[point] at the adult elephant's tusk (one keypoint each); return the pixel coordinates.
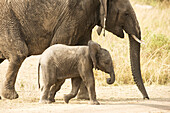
(139, 41)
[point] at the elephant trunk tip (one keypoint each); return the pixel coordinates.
(110, 81)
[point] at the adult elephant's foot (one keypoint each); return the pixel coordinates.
(45, 101)
(52, 99)
(9, 93)
(94, 103)
(83, 94)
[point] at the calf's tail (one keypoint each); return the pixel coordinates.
(39, 75)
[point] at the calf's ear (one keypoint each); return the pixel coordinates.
(93, 49)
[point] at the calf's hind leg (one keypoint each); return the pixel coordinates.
(75, 87)
(54, 88)
(47, 80)
(44, 94)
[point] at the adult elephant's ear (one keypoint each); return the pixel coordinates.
(93, 49)
(103, 15)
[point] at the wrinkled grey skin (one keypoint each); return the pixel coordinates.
(28, 27)
(59, 62)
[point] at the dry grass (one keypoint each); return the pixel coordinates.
(155, 54)
(157, 3)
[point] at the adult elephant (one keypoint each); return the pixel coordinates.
(28, 27)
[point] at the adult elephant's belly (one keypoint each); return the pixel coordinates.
(37, 46)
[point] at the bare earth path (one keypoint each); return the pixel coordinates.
(113, 99)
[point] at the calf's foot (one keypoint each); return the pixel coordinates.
(67, 98)
(52, 99)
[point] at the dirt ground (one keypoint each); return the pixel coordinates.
(113, 99)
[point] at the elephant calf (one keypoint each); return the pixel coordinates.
(60, 62)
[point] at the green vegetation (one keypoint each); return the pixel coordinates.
(155, 54)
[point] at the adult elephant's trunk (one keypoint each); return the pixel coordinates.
(135, 64)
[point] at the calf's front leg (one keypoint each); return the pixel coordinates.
(89, 81)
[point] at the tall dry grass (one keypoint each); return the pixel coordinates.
(159, 3)
(155, 54)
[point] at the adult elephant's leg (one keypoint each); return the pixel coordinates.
(17, 54)
(75, 87)
(54, 88)
(83, 93)
(13, 48)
